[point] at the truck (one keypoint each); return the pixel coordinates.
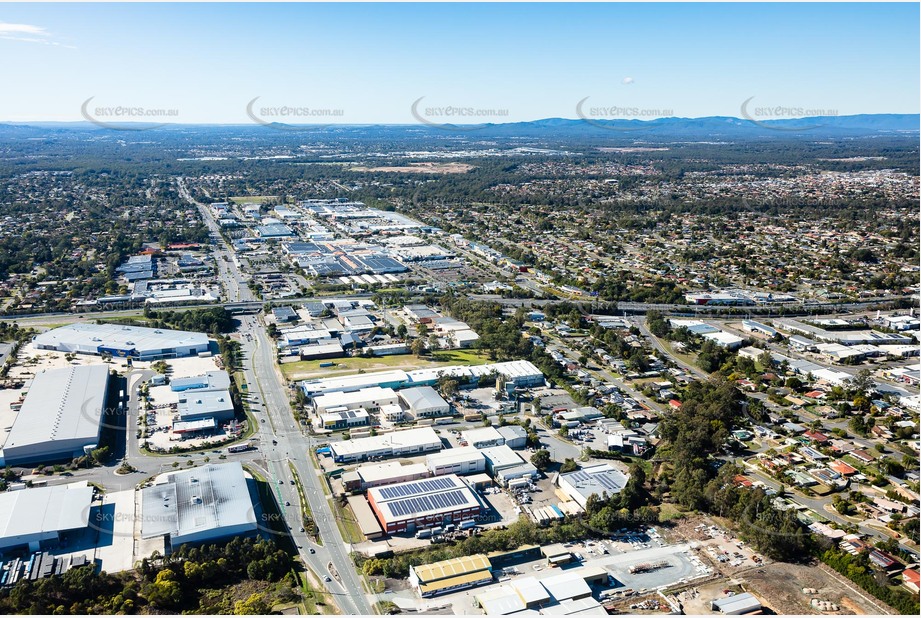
(424, 534)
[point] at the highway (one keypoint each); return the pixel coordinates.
(270, 403)
(240, 295)
(284, 444)
(230, 277)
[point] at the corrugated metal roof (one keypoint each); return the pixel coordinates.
(453, 568)
(62, 404)
(44, 509)
(191, 501)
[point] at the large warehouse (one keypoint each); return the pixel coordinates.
(424, 402)
(593, 480)
(60, 417)
(396, 444)
(33, 516)
(450, 575)
(463, 460)
(520, 373)
(406, 507)
(136, 342)
(202, 504)
(367, 398)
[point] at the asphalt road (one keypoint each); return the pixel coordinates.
(272, 404)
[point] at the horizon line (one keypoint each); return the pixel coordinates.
(243, 123)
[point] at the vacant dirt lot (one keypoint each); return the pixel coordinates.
(780, 587)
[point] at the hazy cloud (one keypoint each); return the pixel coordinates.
(27, 33)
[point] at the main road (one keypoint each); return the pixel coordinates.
(285, 446)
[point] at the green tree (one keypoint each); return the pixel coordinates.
(541, 459)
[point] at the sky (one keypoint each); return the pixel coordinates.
(370, 63)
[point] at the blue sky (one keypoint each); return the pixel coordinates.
(372, 61)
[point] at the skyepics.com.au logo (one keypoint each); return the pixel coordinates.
(614, 117)
(765, 116)
(127, 117)
(456, 118)
(110, 520)
(106, 416)
(292, 117)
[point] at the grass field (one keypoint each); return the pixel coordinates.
(346, 366)
(252, 199)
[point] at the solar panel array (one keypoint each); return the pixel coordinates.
(404, 490)
(423, 504)
(605, 479)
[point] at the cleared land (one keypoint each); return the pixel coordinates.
(300, 370)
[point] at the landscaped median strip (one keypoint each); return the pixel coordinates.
(306, 514)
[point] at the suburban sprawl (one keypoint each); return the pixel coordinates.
(533, 370)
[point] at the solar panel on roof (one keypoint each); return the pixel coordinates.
(422, 504)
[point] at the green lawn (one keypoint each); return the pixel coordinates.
(252, 199)
(351, 365)
(348, 526)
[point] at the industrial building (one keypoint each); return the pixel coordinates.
(386, 473)
(208, 381)
(369, 399)
(450, 575)
(395, 444)
(567, 585)
(510, 476)
(499, 458)
(515, 436)
(30, 517)
(424, 402)
(724, 339)
(737, 604)
(136, 342)
(516, 374)
(200, 405)
(364, 517)
(284, 314)
(482, 437)
(592, 480)
(344, 419)
(406, 507)
(61, 417)
(463, 460)
(202, 504)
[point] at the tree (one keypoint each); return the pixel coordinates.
(447, 386)
(862, 383)
(417, 347)
(569, 465)
(255, 605)
(541, 459)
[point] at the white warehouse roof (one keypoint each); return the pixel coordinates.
(422, 398)
(453, 456)
(420, 439)
(205, 502)
(41, 513)
(61, 414)
(374, 395)
(121, 340)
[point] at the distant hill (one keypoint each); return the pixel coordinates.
(721, 126)
(713, 127)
